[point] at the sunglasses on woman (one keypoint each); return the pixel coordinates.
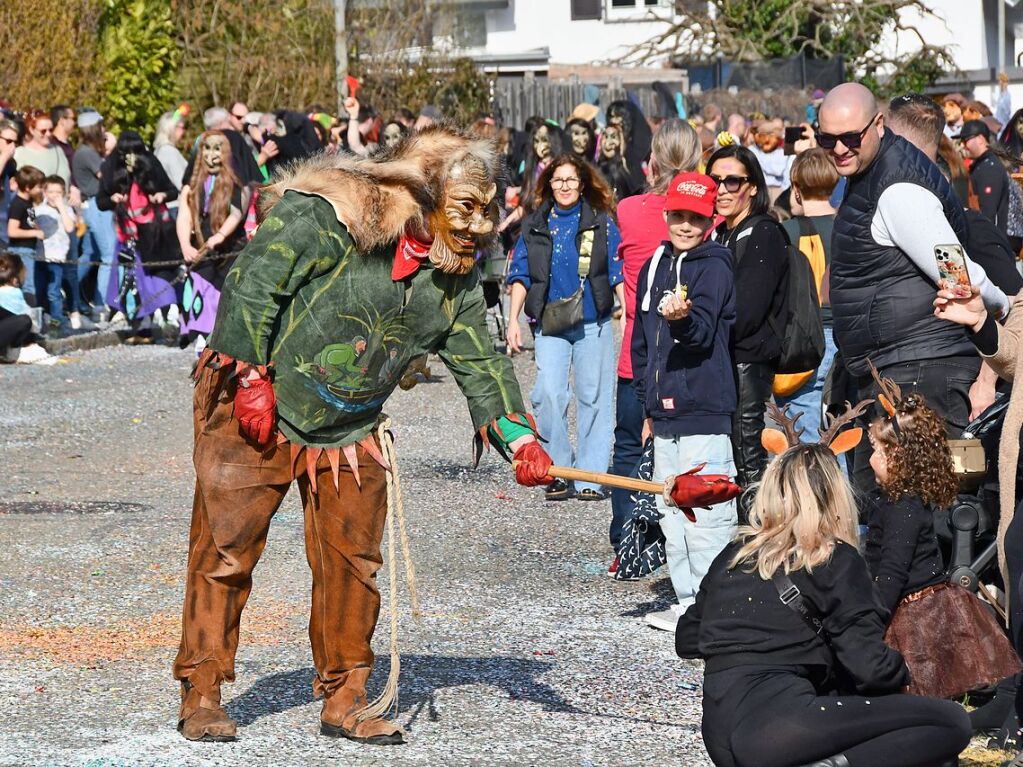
(731, 183)
(851, 140)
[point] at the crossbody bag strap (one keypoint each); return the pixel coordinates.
(792, 598)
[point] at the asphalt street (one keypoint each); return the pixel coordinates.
(526, 653)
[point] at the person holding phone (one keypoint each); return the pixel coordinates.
(897, 209)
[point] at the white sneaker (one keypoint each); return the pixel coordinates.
(118, 320)
(79, 322)
(200, 344)
(34, 354)
(667, 620)
(173, 315)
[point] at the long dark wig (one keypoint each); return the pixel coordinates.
(530, 188)
(1010, 138)
(133, 162)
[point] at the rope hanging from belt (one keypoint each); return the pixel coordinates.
(388, 697)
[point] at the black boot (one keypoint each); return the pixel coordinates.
(838, 760)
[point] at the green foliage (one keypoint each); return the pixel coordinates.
(48, 52)
(457, 86)
(140, 55)
(269, 55)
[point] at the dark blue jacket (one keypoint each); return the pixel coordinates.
(882, 304)
(682, 370)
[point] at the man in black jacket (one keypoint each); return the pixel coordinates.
(988, 178)
(897, 209)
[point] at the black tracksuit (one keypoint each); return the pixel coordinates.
(769, 695)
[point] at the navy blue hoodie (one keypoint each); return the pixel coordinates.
(682, 370)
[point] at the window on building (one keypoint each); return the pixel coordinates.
(635, 4)
(586, 9)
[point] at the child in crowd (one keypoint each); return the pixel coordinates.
(22, 233)
(952, 644)
(55, 219)
(682, 371)
(17, 341)
(797, 670)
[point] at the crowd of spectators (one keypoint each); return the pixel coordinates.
(693, 231)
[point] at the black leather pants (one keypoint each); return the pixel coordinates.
(753, 382)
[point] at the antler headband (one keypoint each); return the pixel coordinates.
(775, 441)
(890, 397)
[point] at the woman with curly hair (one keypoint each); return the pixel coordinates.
(952, 644)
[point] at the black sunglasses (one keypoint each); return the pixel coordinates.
(732, 183)
(851, 140)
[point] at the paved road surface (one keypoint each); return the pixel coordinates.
(527, 654)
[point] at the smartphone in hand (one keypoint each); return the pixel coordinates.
(792, 135)
(952, 272)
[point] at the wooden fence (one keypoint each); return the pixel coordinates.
(518, 100)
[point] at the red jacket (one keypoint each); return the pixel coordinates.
(641, 222)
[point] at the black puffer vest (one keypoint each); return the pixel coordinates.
(539, 250)
(881, 302)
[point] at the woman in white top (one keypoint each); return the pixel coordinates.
(169, 132)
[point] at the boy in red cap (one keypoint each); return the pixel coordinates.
(682, 371)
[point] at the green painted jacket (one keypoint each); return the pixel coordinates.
(340, 332)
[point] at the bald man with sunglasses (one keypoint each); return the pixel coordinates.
(897, 209)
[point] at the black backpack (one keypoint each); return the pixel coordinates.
(802, 334)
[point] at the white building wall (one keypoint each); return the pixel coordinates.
(530, 24)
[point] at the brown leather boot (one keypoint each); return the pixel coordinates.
(203, 718)
(339, 718)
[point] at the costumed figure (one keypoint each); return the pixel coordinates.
(582, 138)
(613, 164)
(358, 267)
(209, 229)
(392, 133)
(135, 186)
(547, 141)
(636, 139)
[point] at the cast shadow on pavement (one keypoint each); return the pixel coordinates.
(421, 677)
(662, 597)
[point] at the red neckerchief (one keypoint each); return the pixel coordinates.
(409, 256)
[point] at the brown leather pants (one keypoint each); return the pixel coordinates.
(238, 489)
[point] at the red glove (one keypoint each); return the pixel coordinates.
(531, 464)
(694, 489)
(255, 407)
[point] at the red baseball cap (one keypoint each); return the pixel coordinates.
(692, 191)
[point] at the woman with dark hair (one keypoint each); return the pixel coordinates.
(564, 273)
(134, 185)
(1011, 136)
(761, 277)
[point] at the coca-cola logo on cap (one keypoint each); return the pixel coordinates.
(694, 188)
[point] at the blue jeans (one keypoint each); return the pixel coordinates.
(53, 276)
(809, 398)
(99, 245)
(28, 257)
(589, 352)
(628, 449)
(692, 546)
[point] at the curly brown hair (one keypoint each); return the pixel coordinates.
(918, 458)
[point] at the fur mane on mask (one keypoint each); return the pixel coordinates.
(378, 198)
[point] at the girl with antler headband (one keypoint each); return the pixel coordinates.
(797, 670)
(951, 642)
